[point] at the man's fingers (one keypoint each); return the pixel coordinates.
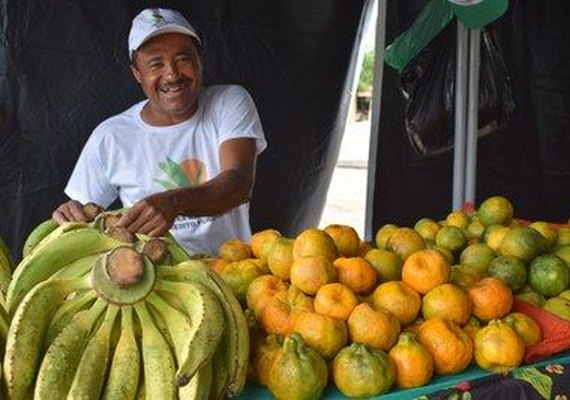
(76, 211)
(130, 217)
(59, 217)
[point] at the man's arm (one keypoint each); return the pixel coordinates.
(155, 214)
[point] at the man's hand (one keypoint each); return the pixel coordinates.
(71, 210)
(152, 215)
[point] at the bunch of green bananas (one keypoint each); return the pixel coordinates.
(98, 312)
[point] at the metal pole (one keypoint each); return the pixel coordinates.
(375, 117)
(472, 115)
(460, 110)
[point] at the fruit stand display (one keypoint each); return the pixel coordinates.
(94, 311)
(419, 310)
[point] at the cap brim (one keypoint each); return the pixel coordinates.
(481, 14)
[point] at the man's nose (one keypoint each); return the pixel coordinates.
(171, 70)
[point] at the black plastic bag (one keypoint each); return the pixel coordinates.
(428, 84)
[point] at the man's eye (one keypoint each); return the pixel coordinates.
(155, 65)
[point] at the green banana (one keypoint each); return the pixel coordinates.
(177, 324)
(207, 318)
(48, 258)
(124, 375)
(4, 325)
(6, 267)
(64, 228)
(26, 332)
(60, 362)
(219, 384)
(236, 333)
(37, 235)
(199, 386)
(76, 268)
(64, 314)
(92, 369)
(158, 361)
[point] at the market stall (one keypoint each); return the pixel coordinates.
(480, 293)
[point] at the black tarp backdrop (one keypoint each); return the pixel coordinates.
(64, 68)
(529, 162)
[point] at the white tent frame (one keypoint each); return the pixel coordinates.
(466, 115)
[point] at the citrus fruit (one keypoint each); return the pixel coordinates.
(524, 243)
(459, 219)
(414, 364)
(314, 242)
(376, 328)
(563, 237)
(495, 210)
(361, 371)
(530, 296)
(262, 353)
(549, 275)
(558, 306)
(386, 263)
(563, 252)
(477, 255)
(234, 250)
(498, 348)
(472, 327)
(526, 327)
(452, 238)
(312, 272)
(261, 289)
(326, 335)
(427, 228)
(383, 234)
(548, 232)
(466, 275)
(475, 229)
(356, 273)
(494, 235)
(425, 269)
(239, 274)
(510, 270)
(261, 242)
(399, 299)
(297, 371)
(448, 302)
(335, 300)
(449, 346)
(345, 239)
(280, 257)
(404, 242)
(491, 299)
(279, 313)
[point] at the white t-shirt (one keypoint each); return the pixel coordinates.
(130, 159)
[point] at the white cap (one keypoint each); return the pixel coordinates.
(156, 21)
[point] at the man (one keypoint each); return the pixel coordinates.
(183, 159)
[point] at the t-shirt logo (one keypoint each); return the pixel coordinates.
(190, 172)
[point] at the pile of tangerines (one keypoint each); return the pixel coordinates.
(326, 306)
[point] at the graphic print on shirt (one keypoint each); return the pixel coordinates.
(189, 173)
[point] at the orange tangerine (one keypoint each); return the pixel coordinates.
(335, 300)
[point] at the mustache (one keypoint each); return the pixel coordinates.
(173, 84)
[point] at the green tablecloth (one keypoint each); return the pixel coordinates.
(545, 379)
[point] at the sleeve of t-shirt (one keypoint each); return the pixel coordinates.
(239, 118)
(88, 181)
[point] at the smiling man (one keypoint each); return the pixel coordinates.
(184, 158)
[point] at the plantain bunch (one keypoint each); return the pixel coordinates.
(97, 312)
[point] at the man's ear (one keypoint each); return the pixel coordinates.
(136, 72)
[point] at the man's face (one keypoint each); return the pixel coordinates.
(169, 70)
